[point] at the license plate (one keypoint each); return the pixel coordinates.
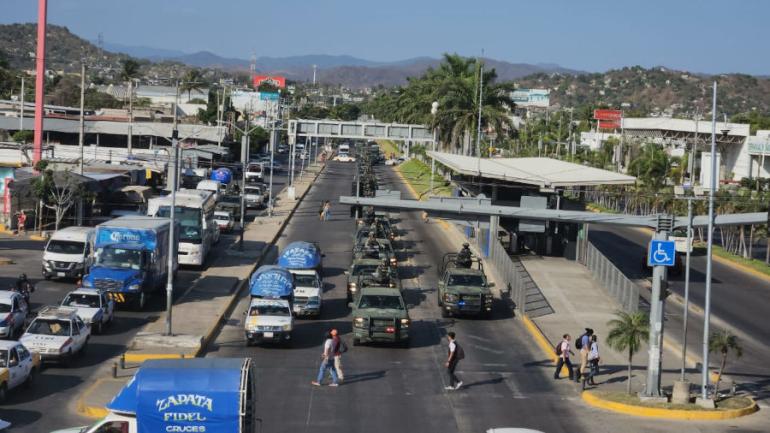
(268, 335)
(60, 274)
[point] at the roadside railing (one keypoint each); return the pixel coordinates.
(625, 291)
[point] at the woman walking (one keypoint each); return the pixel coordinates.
(593, 360)
(583, 370)
(327, 211)
(321, 210)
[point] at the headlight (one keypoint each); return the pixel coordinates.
(134, 287)
(47, 264)
(450, 297)
(405, 323)
(393, 261)
(87, 283)
(359, 321)
(287, 327)
(79, 265)
(352, 287)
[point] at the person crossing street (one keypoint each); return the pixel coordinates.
(455, 355)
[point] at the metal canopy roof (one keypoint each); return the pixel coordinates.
(542, 172)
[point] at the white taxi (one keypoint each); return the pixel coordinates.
(17, 366)
(13, 313)
(268, 320)
(93, 306)
(57, 334)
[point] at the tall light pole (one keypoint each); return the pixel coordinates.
(21, 106)
(172, 216)
(131, 113)
(81, 123)
(433, 112)
(42, 19)
(712, 191)
(685, 313)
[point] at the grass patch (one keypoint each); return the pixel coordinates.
(417, 174)
(389, 147)
(729, 403)
(593, 207)
(757, 265)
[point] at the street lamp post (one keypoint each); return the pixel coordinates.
(433, 112)
(172, 216)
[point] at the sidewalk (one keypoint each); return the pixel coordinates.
(198, 313)
(580, 302)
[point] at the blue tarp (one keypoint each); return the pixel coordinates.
(271, 281)
(120, 235)
(300, 255)
(201, 394)
(224, 175)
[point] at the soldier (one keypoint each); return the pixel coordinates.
(371, 247)
(368, 215)
(381, 274)
(464, 256)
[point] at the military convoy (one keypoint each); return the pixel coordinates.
(462, 286)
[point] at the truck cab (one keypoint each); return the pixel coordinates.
(380, 315)
(463, 290)
(57, 334)
(17, 366)
(68, 253)
(360, 268)
(308, 293)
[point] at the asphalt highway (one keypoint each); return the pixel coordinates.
(389, 389)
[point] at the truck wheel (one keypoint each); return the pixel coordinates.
(82, 351)
(356, 341)
(67, 359)
(438, 299)
(98, 328)
(405, 343)
(31, 378)
(444, 313)
(3, 392)
(140, 301)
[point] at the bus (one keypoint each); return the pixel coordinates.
(197, 229)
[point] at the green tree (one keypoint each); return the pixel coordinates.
(130, 70)
(57, 190)
(627, 332)
(23, 136)
(345, 112)
(650, 166)
(723, 342)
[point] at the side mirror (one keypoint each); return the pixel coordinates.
(347, 272)
(13, 363)
(350, 305)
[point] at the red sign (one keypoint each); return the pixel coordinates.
(7, 195)
(608, 115)
(609, 124)
(279, 82)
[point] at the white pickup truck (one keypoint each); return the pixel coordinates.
(93, 307)
(17, 366)
(308, 292)
(269, 320)
(57, 334)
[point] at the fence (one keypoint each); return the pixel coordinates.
(625, 291)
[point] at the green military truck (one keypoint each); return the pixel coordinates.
(362, 271)
(380, 315)
(463, 290)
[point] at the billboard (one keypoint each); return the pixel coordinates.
(532, 97)
(612, 115)
(276, 81)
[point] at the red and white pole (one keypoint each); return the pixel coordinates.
(42, 18)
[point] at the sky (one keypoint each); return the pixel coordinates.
(593, 35)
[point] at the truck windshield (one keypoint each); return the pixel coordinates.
(381, 301)
(119, 258)
(269, 310)
(81, 300)
(305, 280)
(363, 269)
(189, 221)
(65, 247)
(467, 280)
(5, 308)
(50, 327)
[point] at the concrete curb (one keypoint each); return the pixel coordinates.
(96, 412)
(673, 414)
(5, 261)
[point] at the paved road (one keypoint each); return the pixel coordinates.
(394, 389)
(48, 405)
(739, 300)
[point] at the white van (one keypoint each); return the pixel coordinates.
(214, 186)
(68, 253)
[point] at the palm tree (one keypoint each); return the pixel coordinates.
(192, 80)
(627, 332)
(129, 73)
(723, 342)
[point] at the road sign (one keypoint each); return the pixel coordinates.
(661, 253)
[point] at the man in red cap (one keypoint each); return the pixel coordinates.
(339, 347)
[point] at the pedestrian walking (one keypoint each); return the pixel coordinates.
(327, 363)
(321, 210)
(22, 222)
(583, 370)
(563, 351)
(456, 353)
(339, 347)
(327, 211)
(585, 339)
(593, 359)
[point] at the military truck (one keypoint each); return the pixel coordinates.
(380, 315)
(362, 272)
(383, 250)
(463, 290)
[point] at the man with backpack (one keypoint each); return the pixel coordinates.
(563, 351)
(456, 353)
(581, 342)
(339, 347)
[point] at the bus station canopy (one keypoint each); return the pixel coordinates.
(542, 172)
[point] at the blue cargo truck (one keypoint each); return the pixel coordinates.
(198, 395)
(131, 258)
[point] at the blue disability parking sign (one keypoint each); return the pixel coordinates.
(661, 253)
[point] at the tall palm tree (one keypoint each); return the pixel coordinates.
(627, 332)
(723, 342)
(130, 72)
(192, 80)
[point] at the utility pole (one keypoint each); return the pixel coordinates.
(42, 19)
(433, 111)
(81, 129)
(478, 126)
(272, 161)
(21, 106)
(245, 147)
(172, 217)
(652, 388)
(686, 287)
(691, 160)
(131, 112)
(707, 302)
